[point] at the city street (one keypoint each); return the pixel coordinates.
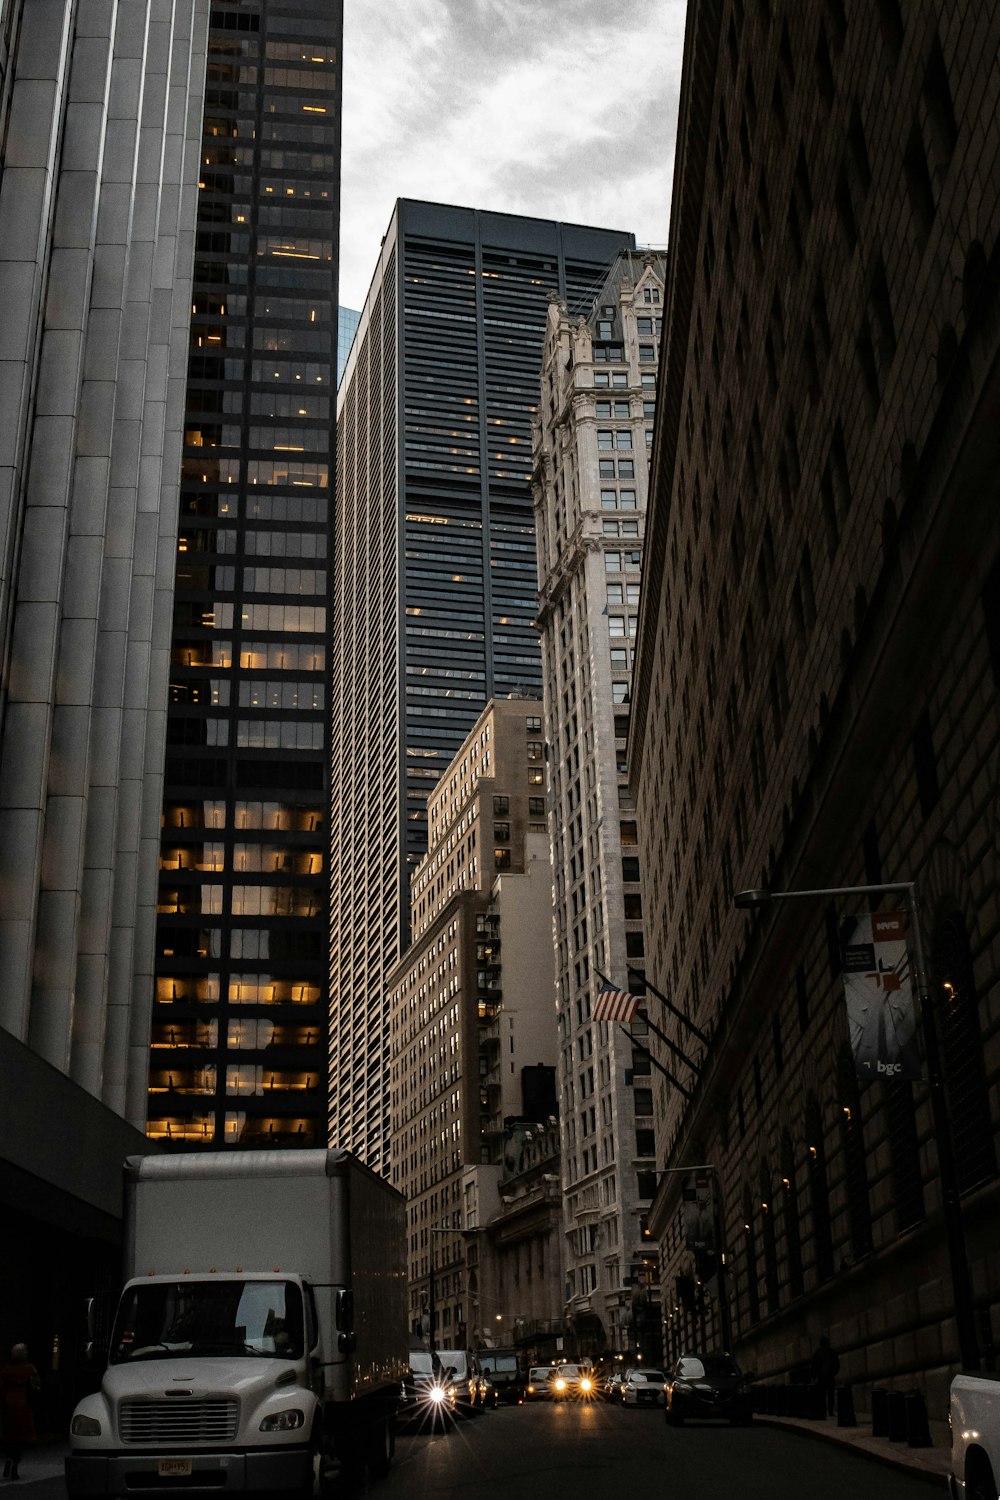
(541, 1451)
(537, 1452)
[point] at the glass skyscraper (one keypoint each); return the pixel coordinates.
(435, 574)
(239, 1031)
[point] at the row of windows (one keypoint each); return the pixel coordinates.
(243, 1034)
(241, 989)
(246, 901)
(298, 817)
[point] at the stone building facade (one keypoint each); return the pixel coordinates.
(818, 663)
(592, 436)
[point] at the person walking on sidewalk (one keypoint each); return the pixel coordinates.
(19, 1382)
(825, 1365)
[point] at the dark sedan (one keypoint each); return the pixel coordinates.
(707, 1385)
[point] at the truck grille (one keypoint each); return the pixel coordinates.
(178, 1421)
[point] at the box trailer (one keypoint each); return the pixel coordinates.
(261, 1337)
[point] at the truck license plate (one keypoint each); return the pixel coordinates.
(174, 1468)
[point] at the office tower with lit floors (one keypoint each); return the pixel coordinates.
(238, 1054)
(435, 572)
(592, 436)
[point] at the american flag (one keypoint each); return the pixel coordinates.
(615, 1005)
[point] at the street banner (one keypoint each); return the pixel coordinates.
(698, 1212)
(881, 1020)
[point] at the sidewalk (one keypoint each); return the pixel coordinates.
(43, 1460)
(931, 1464)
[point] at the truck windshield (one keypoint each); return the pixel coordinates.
(178, 1319)
(501, 1364)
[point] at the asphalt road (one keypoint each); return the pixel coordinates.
(545, 1451)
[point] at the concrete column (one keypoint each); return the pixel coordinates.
(37, 460)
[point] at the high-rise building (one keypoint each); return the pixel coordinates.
(471, 1005)
(435, 574)
(347, 324)
(239, 1021)
(99, 106)
(817, 671)
(592, 436)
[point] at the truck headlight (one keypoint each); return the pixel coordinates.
(85, 1427)
(283, 1421)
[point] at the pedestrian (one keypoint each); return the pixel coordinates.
(19, 1382)
(825, 1364)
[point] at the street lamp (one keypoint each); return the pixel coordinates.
(951, 1198)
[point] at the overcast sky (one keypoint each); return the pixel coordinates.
(565, 109)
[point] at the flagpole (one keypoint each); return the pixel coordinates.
(674, 1011)
(656, 1063)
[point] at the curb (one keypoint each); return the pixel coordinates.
(889, 1459)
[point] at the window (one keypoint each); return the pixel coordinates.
(501, 833)
(501, 859)
(622, 409)
(616, 625)
(536, 750)
(630, 868)
(605, 438)
(626, 468)
(645, 325)
(623, 438)
(606, 468)
(536, 807)
(627, 499)
(609, 500)
(610, 528)
(619, 659)
(648, 380)
(647, 354)
(501, 807)
(615, 593)
(612, 562)
(604, 409)
(536, 776)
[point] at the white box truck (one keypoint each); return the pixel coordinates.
(262, 1331)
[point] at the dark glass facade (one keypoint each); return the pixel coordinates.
(238, 1051)
(436, 575)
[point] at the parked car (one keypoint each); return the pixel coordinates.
(643, 1388)
(613, 1385)
(427, 1398)
(537, 1385)
(707, 1385)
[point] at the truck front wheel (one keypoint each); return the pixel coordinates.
(381, 1446)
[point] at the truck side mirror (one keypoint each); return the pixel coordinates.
(345, 1311)
(347, 1342)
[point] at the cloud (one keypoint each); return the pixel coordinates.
(558, 108)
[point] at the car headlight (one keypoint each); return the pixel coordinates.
(85, 1427)
(585, 1384)
(560, 1385)
(283, 1421)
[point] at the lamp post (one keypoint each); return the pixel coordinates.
(951, 1200)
